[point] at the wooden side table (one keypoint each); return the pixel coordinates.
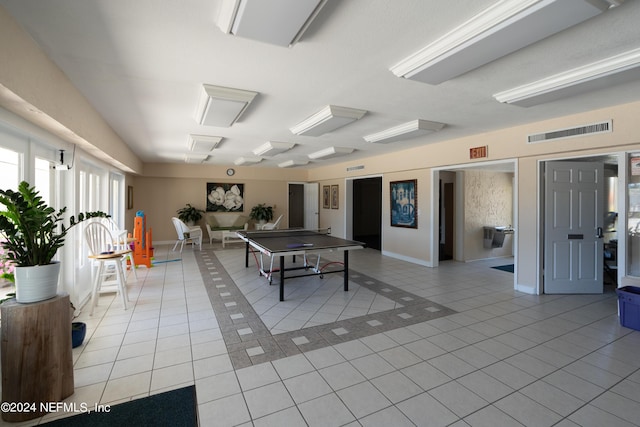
(37, 362)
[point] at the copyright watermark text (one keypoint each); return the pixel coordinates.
(69, 407)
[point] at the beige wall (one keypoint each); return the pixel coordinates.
(165, 188)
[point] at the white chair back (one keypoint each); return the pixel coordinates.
(99, 238)
(272, 225)
(186, 234)
(181, 227)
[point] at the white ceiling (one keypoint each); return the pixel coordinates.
(142, 64)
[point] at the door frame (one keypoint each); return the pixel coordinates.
(435, 209)
(622, 215)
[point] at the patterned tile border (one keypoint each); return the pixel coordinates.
(250, 342)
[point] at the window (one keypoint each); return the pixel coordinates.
(43, 179)
(633, 218)
(116, 199)
(9, 169)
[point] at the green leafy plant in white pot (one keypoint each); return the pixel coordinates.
(32, 234)
(190, 214)
(261, 213)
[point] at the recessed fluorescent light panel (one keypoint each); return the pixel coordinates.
(499, 30)
(279, 22)
(407, 130)
(222, 106)
(292, 163)
(617, 69)
(326, 120)
(330, 152)
(272, 148)
(247, 160)
(206, 143)
(195, 158)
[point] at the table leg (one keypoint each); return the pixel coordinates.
(346, 271)
(282, 278)
(246, 255)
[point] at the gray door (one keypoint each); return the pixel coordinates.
(573, 220)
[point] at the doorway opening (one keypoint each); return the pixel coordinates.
(303, 205)
(367, 211)
(296, 206)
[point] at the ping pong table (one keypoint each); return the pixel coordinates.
(296, 242)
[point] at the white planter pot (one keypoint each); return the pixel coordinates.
(37, 283)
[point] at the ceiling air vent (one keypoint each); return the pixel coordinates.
(602, 127)
(355, 168)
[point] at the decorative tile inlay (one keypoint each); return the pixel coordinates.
(255, 351)
(249, 341)
(300, 340)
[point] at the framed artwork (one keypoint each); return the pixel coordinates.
(326, 197)
(334, 197)
(404, 203)
(129, 197)
(225, 197)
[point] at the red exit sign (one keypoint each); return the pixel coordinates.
(478, 152)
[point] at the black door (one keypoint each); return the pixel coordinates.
(367, 211)
(296, 206)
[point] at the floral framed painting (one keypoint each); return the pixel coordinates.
(404, 203)
(334, 197)
(224, 197)
(326, 196)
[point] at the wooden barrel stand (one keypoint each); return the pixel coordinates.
(37, 362)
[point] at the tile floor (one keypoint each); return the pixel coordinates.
(495, 358)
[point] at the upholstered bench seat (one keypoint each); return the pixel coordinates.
(223, 226)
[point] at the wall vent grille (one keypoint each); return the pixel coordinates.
(355, 168)
(602, 127)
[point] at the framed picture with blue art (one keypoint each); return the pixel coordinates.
(222, 197)
(404, 203)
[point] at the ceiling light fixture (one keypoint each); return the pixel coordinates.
(195, 158)
(292, 163)
(407, 130)
(497, 31)
(326, 120)
(222, 106)
(247, 160)
(271, 148)
(617, 69)
(203, 142)
(280, 22)
(331, 152)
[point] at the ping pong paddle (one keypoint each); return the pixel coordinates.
(299, 245)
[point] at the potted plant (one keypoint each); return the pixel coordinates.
(261, 213)
(32, 236)
(189, 214)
